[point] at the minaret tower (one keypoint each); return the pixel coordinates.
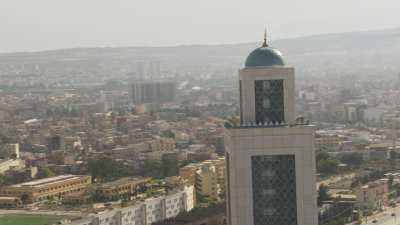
(270, 159)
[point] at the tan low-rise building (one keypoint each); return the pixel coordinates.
(207, 181)
(207, 176)
(373, 195)
(10, 202)
(121, 188)
(38, 190)
(162, 144)
(220, 170)
(327, 141)
(79, 198)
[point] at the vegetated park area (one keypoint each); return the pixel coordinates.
(20, 219)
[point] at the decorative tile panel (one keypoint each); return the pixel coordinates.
(274, 190)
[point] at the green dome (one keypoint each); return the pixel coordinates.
(264, 56)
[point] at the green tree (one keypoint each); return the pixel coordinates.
(322, 155)
(352, 159)
(98, 197)
(153, 168)
(103, 167)
(14, 177)
(24, 198)
(168, 134)
(328, 166)
(325, 163)
(323, 194)
(170, 167)
(390, 181)
(46, 172)
(108, 168)
(396, 187)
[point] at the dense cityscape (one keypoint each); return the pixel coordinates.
(139, 136)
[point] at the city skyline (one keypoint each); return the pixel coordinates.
(132, 112)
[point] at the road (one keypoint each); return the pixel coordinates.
(385, 217)
(40, 212)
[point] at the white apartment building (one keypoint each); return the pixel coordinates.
(9, 164)
(133, 215)
(145, 213)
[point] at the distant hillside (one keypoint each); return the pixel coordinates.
(372, 48)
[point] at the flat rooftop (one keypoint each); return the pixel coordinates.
(50, 180)
(124, 181)
(8, 198)
(6, 160)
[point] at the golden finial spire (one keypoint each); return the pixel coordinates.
(265, 38)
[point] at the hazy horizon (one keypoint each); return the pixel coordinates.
(46, 24)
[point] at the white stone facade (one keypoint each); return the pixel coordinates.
(242, 143)
(247, 76)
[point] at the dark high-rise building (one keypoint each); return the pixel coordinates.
(54, 142)
(140, 72)
(153, 92)
(155, 69)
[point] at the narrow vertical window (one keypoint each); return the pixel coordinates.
(269, 101)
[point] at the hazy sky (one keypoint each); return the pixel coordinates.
(30, 25)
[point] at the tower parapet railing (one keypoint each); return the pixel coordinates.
(269, 124)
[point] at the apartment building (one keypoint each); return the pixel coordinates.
(373, 195)
(11, 164)
(146, 212)
(207, 181)
(133, 215)
(208, 177)
(162, 144)
(220, 170)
